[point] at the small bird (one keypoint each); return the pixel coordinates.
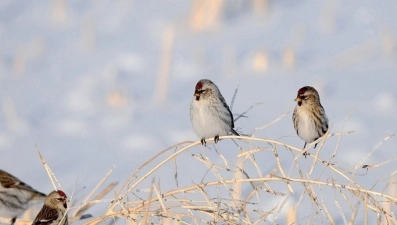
(310, 121)
(16, 196)
(209, 114)
(54, 210)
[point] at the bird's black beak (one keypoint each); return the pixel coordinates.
(197, 93)
(65, 203)
(299, 100)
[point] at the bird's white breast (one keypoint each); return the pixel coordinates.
(206, 120)
(306, 126)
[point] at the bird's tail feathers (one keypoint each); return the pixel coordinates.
(235, 132)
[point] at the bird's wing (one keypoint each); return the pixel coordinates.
(227, 107)
(46, 216)
(9, 181)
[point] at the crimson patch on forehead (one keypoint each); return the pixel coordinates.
(199, 85)
(61, 193)
(302, 90)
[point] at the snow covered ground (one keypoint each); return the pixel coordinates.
(78, 79)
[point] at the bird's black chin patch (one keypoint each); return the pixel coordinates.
(197, 98)
(299, 103)
(65, 205)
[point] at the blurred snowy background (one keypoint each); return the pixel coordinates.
(96, 84)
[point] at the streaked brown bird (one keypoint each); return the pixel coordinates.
(310, 121)
(209, 113)
(54, 210)
(16, 196)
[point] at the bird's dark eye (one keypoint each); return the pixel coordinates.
(304, 96)
(59, 199)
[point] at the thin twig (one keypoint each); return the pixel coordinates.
(234, 96)
(360, 164)
(246, 111)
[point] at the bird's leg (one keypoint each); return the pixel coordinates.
(203, 142)
(305, 153)
(13, 220)
(315, 145)
(216, 138)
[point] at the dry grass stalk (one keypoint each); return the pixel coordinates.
(218, 197)
(224, 192)
(161, 89)
(206, 14)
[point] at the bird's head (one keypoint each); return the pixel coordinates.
(57, 199)
(307, 95)
(204, 88)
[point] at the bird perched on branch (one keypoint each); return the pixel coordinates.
(309, 117)
(209, 114)
(54, 210)
(16, 196)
